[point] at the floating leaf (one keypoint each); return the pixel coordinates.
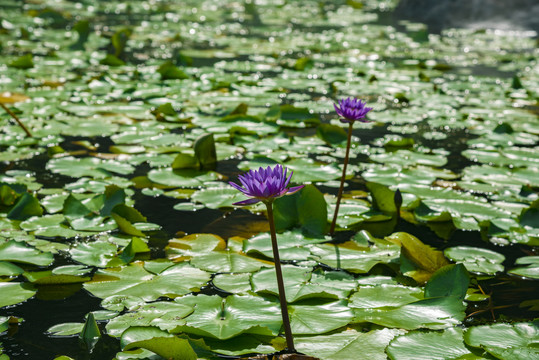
(181, 178)
(425, 259)
(9, 269)
(354, 260)
(506, 341)
(349, 344)
(14, 293)
(448, 344)
(300, 283)
(531, 270)
(292, 245)
(19, 252)
(433, 313)
(134, 280)
(159, 342)
(233, 283)
(226, 261)
(476, 259)
(224, 318)
(165, 315)
(319, 319)
(385, 295)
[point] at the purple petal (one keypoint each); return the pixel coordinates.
(246, 202)
(236, 186)
(294, 189)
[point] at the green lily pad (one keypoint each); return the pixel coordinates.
(224, 318)
(506, 341)
(181, 178)
(226, 261)
(292, 245)
(476, 259)
(21, 253)
(394, 176)
(300, 283)
(432, 313)
(65, 329)
(97, 253)
(531, 270)
(91, 167)
(348, 344)
(406, 158)
(319, 319)
(134, 280)
(217, 197)
(233, 283)
(383, 295)
(14, 293)
(9, 269)
(354, 260)
(194, 244)
(165, 315)
(448, 344)
(158, 342)
(240, 345)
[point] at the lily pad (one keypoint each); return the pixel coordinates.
(14, 293)
(349, 344)
(531, 270)
(165, 315)
(224, 318)
(319, 319)
(476, 259)
(507, 341)
(21, 253)
(354, 260)
(300, 283)
(448, 344)
(134, 280)
(292, 245)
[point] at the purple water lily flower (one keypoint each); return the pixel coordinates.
(265, 185)
(352, 109)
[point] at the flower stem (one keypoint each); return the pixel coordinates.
(280, 282)
(28, 133)
(339, 195)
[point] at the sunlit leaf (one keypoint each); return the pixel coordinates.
(223, 318)
(349, 344)
(21, 253)
(14, 293)
(134, 280)
(448, 344)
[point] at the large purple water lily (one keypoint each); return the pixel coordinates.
(351, 109)
(265, 184)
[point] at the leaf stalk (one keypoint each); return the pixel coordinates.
(341, 187)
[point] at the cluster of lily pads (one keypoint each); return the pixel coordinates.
(139, 114)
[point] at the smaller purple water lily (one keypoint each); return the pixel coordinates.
(351, 109)
(265, 185)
